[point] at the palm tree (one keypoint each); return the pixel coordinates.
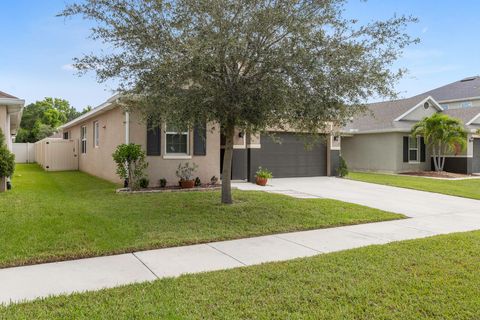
(442, 134)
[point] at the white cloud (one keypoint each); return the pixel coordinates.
(69, 67)
(419, 72)
(422, 54)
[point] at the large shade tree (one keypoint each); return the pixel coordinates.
(442, 134)
(246, 64)
(41, 118)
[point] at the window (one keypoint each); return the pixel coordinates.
(445, 106)
(65, 135)
(176, 140)
(413, 149)
(96, 133)
(467, 104)
(83, 136)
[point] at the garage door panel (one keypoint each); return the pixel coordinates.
(476, 156)
(290, 158)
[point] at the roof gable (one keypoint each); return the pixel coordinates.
(6, 95)
(422, 109)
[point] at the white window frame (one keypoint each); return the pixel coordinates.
(170, 155)
(96, 134)
(83, 139)
(411, 149)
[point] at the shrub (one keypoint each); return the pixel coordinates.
(263, 173)
(143, 182)
(131, 164)
(7, 159)
(342, 168)
(162, 182)
(198, 182)
(185, 171)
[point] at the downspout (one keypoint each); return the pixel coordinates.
(127, 127)
(127, 141)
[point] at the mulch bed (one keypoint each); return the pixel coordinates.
(434, 174)
(202, 187)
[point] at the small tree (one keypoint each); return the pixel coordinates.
(131, 164)
(247, 65)
(7, 162)
(442, 134)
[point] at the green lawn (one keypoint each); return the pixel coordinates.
(64, 215)
(462, 188)
(432, 278)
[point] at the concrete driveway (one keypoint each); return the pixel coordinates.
(411, 203)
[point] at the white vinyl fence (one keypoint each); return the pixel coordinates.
(55, 154)
(24, 152)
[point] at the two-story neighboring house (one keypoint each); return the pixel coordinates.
(380, 141)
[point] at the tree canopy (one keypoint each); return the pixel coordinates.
(246, 64)
(442, 134)
(42, 118)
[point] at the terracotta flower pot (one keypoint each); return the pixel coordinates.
(261, 181)
(187, 184)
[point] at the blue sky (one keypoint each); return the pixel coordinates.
(37, 47)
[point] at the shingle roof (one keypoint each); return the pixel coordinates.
(465, 88)
(381, 116)
(464, 114)
(6, 95)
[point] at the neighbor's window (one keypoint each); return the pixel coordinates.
(65, 135)
(83, 137)
(445, 106)
(96, 132)
(413, 149)
(176, 140)
(467, 104)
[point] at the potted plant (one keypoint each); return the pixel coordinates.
(185, 174)
(214, 180)
(262, 176)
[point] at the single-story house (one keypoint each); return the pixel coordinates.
(11, 109)
(101, 130)
(379, 140)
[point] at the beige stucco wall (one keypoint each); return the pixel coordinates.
(98, 160)
(161, 167)
(378, 152)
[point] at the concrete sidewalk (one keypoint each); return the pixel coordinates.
(31, 282)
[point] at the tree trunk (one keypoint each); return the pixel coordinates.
(436, 158)
(227, 166)
(442, 157)
(3, 184)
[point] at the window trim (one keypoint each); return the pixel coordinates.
(171, 155)
(83, 139)
(417, 149)
(96, 134)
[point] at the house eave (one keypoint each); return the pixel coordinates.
(106, 106)
(459, 100)
(352, 133)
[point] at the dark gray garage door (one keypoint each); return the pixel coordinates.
(476, 156)
(290, 158)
